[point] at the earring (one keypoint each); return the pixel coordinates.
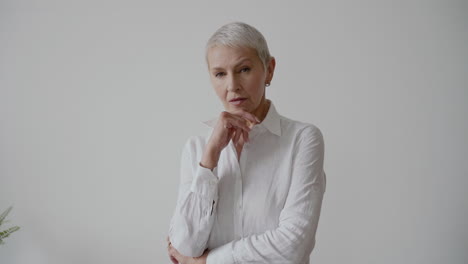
(267, 84)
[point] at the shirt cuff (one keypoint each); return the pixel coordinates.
(222, 255)
(205, 182)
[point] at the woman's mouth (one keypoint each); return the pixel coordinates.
(237, 101)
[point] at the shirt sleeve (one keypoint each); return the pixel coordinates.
(195, 210)
(294, 238)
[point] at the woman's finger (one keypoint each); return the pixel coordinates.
(233, 120)
(231, 132)
(246, 136)
(240, 122)
(175, 254)
(251, 117)
(235, 140)
(174, 260)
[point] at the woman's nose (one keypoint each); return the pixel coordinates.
(233, 83)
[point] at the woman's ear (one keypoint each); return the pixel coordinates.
(270, 69)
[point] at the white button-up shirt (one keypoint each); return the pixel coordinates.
(263, 208)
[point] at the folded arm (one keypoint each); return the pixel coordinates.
(193, 218)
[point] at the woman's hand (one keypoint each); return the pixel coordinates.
(229, 126)
(176, 257)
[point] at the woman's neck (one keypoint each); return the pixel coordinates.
(262, 110)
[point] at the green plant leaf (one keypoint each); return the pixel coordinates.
(4, 214)
(7, 232)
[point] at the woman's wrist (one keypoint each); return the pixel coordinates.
(210, 158)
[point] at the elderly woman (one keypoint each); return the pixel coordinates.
(251, 190)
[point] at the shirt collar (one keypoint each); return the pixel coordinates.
(272, 120)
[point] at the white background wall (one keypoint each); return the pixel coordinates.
(98, 97)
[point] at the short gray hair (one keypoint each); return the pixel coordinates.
(239, 34)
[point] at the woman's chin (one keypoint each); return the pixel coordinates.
(233, 107)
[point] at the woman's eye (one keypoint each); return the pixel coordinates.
(219, 74)
(246, 69)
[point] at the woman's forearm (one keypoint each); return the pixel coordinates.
(210, 157)
(196, 204)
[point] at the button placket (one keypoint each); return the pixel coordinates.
(242, 162)
(237, 171)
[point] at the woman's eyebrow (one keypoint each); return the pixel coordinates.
(242, 61)
(239, 63)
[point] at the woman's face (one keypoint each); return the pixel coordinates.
(239, 73)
